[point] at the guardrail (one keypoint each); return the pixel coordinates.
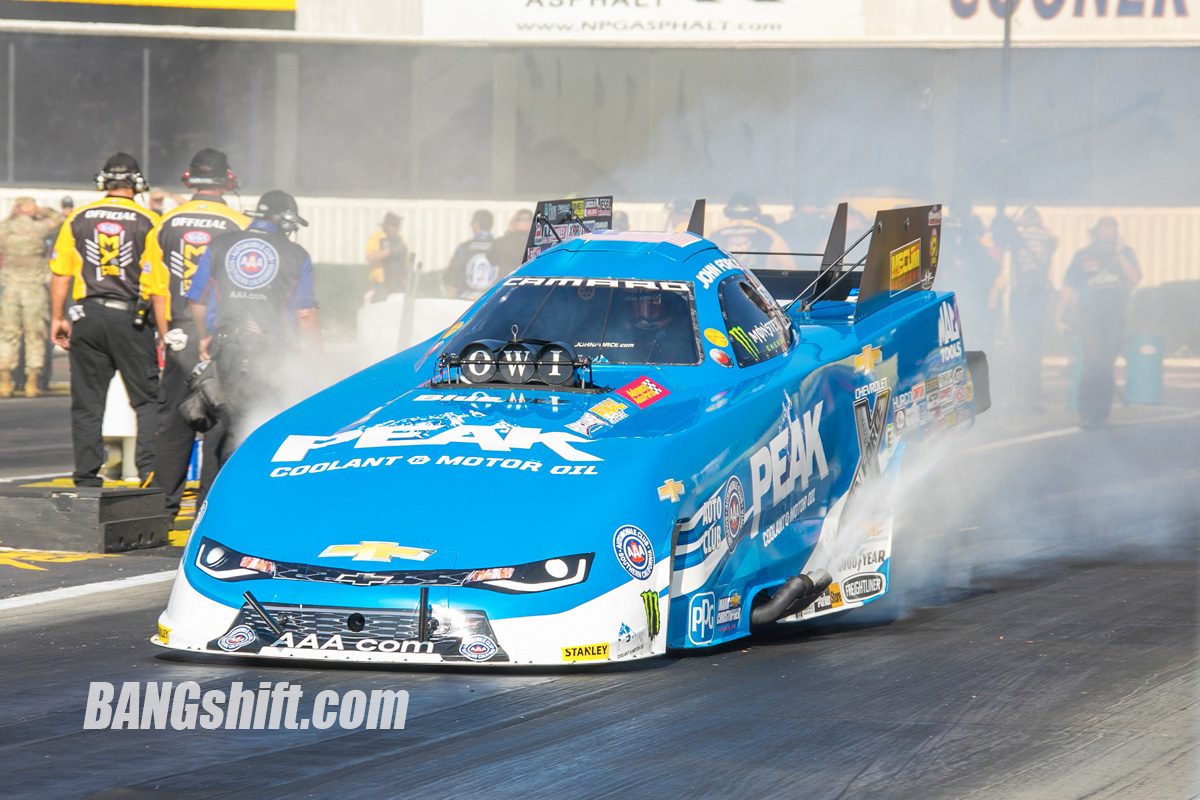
(1166, 240)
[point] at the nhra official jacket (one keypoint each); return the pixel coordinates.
(256, 279)
(176, 244)
(748, 234)
(101, 246)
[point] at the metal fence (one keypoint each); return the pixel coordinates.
(1166, 240)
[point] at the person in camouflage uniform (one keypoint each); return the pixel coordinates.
(23, 297)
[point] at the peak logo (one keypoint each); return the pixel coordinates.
(789, 457)
(485, 437)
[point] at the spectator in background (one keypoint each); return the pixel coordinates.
(508, 251)
(471, 271)
(620, 221)
(158, 200)
(808, 228)
(679, 214)
(387, 254)
(969, 268)
(749, 229)
(1030, 295)
(24, 301)
(1095, 292)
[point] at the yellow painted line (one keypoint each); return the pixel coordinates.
(178, 538)
(234, 5)
(29, 559)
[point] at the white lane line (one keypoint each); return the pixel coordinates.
(1033, 437)
(81, 591)
(1057, 432)
(36, 477)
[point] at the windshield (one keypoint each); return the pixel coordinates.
(616, 321)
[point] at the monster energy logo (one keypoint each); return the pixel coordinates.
(650, 600)
(740, 335)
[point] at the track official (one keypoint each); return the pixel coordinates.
(254, 305)
(172, 253)
(747, 229)
(100, 248)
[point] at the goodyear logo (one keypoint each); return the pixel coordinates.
(906, 265)
(586, 652)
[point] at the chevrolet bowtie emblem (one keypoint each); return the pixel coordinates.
(375, 551)
(671, 490)
(867, 359)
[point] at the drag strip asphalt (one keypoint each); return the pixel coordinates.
(1039, 642)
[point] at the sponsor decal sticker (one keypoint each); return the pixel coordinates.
(714, 336)
(643, 392)
(653, 618)
(671, 490)
(164, 634)
(734, 510)
(478, 648)
(863, 586)
(949, 334)
(867, 359)
(611, 411)
(586, 652)
(702, 618)
(729, 612)
(375, 551)
(586, 425)
(721, 357)
(906, 266)
(237, 638)
(633, 550)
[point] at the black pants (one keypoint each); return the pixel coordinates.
(102, 342)
(174, 439)
(1102, 337)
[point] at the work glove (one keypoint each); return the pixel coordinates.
(176, 339)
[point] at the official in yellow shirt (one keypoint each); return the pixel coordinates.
(172, 253)
(100, 250)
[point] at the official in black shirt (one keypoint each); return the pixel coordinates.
(100, 249)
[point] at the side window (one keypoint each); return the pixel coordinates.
(757, 329)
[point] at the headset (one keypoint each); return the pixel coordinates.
(230, 181)
(287, 221)
(102, 179)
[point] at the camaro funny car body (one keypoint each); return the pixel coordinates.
(624, 447)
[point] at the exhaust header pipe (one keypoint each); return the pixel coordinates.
(793, 597)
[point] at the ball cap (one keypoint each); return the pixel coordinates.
(1104, 222)
(119, 163)
(210, 160)
(276, 203)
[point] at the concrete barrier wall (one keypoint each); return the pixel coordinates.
(1167, 240)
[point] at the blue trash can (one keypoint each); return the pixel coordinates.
(1144, 369)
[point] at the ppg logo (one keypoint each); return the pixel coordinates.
(702, 618)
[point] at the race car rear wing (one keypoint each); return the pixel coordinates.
(558, 221)
(902, 257)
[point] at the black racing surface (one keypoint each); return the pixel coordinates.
(36, 436)
(1039, 642)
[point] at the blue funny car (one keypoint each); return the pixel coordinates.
(626, 446)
